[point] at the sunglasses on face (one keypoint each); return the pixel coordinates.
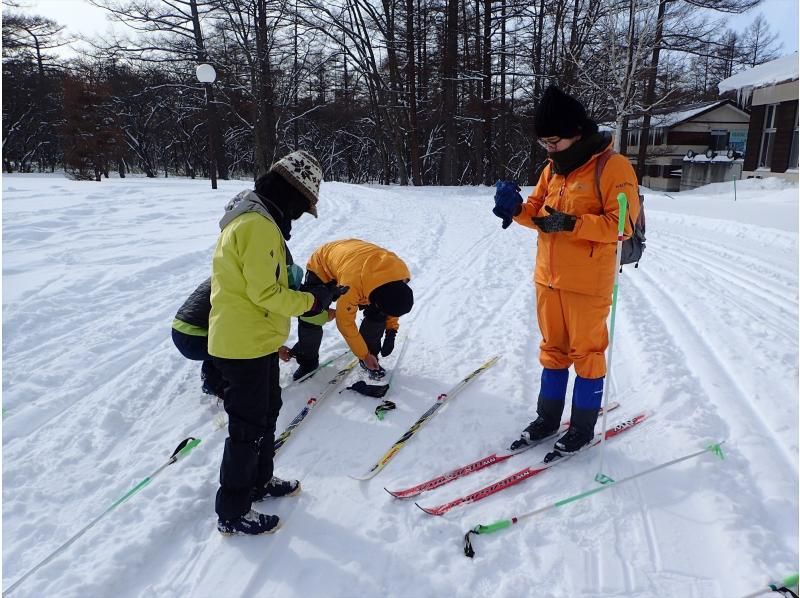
(549, 143)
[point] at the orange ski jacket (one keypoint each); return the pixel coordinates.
(363, 267)
(582, 260)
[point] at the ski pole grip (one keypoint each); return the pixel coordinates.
(791, 581)
(493, 527)
(622, 199)
(184, 447)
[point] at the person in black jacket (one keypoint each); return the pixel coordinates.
(190, 335)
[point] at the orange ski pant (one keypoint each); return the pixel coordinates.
(574, 330)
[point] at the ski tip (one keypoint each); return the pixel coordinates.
(398, 494)
(392, 493)
(427, 510)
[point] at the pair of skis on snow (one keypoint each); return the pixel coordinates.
(515, 478)
(340, 376)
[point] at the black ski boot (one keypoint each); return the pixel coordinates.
(251, 523)
(306, 367)
(377, 374)
(543, 427)
(580, 433)
(276, 488)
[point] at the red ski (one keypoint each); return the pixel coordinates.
(523, 474)
(461, 472)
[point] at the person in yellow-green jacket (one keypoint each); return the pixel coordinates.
(251, 306)
(377, 280)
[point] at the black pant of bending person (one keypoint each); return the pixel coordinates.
(196, 348)
(252, 401)
(309, 336)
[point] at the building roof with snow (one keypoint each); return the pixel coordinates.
(770, 73)
(673, 117)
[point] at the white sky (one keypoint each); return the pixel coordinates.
(82, 18)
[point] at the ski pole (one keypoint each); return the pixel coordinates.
(715, 449)
(782, 587)
(623, 208)
(180, 452)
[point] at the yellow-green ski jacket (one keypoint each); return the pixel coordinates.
(251, 302)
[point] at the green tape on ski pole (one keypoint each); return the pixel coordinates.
(716, 449)
(602, 478)
(791, 581)
(566, 501)
(623, 208)
(493, 527)
(130, 493)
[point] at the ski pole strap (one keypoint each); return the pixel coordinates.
(380, 410)
(784, 590)
(485, 529)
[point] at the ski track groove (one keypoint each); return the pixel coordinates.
(782, 302)
(690, 327)
(739, 302)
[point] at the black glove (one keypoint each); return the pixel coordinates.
(507, 201)
(555, 222)
(388, 343)
(324, 295)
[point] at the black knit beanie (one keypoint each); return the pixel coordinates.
(561, 115)
(393, 298)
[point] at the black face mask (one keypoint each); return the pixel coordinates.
(296, 207)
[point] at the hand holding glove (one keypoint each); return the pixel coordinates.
(324, 295)
(507, 201)
(555, 221)
(388, 343)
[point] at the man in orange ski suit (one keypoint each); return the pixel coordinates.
(378, 285)
(575, 261)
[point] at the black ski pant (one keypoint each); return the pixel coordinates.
(196, 348)
(252, 401)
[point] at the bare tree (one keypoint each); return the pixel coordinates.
(169, 31)
(759, 43)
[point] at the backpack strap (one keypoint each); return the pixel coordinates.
(599, 165)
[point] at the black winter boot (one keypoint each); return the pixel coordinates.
(276, 488)
(249, 524)
(580, 433)
(306, 367)
(544, 426)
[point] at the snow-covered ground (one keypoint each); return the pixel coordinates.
(95, 398)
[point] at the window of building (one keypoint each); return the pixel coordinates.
(656, 136)
(767, 137)
(719, 139)
(793, 151)
(633, 137)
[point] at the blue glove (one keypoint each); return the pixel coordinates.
(507, 201)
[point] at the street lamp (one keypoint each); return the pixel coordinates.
(207, 75)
